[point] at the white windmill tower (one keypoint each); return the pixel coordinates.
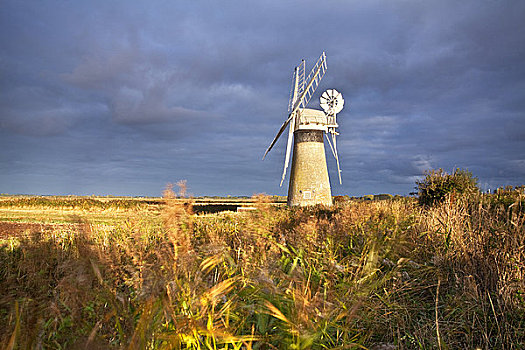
(309, 181)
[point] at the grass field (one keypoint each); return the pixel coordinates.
(151, 274)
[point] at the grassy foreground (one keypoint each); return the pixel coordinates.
(365, 275)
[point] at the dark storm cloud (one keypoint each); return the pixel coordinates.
(121, 98)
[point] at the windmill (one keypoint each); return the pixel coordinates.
(309, 181)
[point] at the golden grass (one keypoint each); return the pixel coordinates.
(357, 275)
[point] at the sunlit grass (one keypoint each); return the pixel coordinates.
(357, 275)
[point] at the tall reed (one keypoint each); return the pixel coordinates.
(380, 274)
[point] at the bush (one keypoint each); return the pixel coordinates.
(438, 185)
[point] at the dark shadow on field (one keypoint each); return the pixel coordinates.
(214, 208)
(49, 289)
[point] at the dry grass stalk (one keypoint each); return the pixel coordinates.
(359, 274)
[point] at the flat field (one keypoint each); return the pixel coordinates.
(84, 272)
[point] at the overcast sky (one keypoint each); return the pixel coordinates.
(123, 97)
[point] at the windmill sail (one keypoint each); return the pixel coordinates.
(337, 161)
(279, 133)
(310, 85)
(298, 84)
(333, 148)
(288, 150)
(313, 80)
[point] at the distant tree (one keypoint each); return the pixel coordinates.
(438, 184)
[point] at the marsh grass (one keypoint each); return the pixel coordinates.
(63, 210)
(358, 275)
